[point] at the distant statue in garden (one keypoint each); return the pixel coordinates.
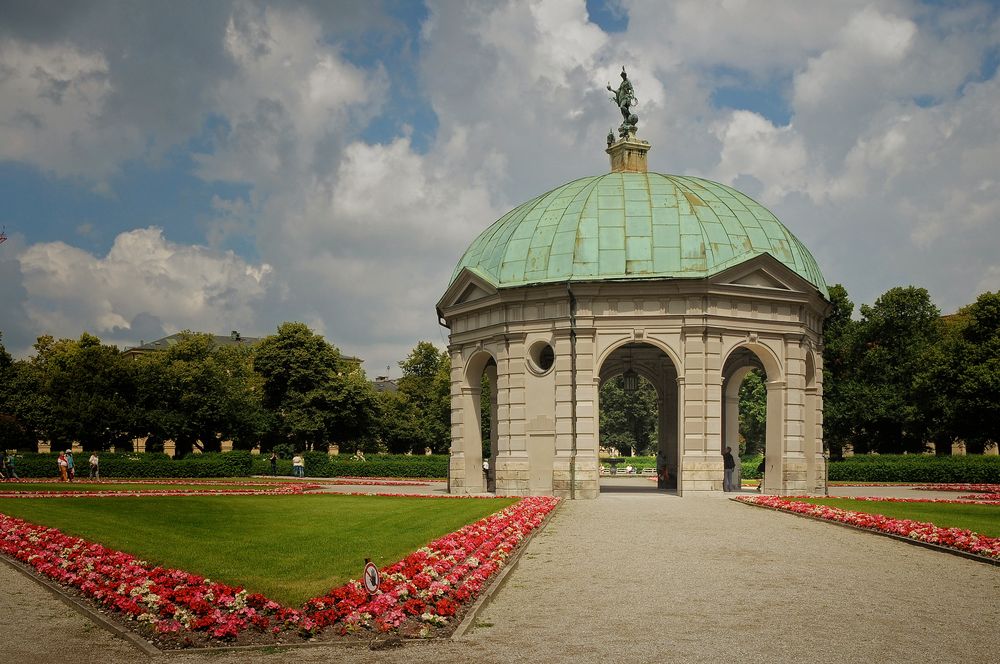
(625, 98)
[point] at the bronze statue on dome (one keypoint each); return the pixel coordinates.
(625, 98)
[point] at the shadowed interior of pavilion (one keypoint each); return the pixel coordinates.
(637, 361)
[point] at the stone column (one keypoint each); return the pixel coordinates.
(512, 457)
(587, 459)
(731, 419)
(701, 466)
(794, 474)
(774, 449)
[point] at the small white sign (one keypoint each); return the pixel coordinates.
(372, 578)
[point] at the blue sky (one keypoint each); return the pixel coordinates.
(235, 165)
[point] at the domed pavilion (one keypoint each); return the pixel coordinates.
(685, 282)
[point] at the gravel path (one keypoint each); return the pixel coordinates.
(644, 577)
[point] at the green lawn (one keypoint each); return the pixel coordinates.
(86, 485)
(290, 548)
(983, 519)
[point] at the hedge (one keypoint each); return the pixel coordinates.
(226, 464)
(638, 462)
(916, 468)
(320, 464)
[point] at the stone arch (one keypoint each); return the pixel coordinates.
(659, 366)
(740, 360)
(621, 343)
(770, 362)
(470, 445)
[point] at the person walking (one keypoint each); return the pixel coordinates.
(95, 471)
(11, 463)
(70, 466)
(274, 463)
(298, 466)
(3, 467)
(729, 463)
(661, 470)
(61, 462)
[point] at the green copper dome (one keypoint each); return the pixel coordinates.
(633, 226)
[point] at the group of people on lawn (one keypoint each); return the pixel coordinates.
(67, 466)
(298, 464)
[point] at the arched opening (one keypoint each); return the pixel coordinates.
(637, 411)
(480, 439)
(812, 437)
(746, 372)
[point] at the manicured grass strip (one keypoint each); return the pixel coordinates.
(982, 519)
(290, 548)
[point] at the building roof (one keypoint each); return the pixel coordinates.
(384, 384)
(625, 226)
(231, 339)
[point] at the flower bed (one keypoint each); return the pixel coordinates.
(420, 595)
(262, 489)
(955, 538)
(368, 481)
(978, 488)
(961, 500)
(983, 497)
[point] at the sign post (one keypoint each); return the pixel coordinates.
(372, 577)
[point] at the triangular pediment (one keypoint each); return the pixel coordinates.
(763, 271)
(759, 278)
(469, 286)
(472, 292)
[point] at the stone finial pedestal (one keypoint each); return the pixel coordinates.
(628, 155)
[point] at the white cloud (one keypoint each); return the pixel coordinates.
(143, 274)
(290, 95)
(752, 145)
(50, 99)
(361, 238)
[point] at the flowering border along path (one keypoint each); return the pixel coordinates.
(959, 539)
(977, 488)
(240, 489)
(983, 499)
(419, 596)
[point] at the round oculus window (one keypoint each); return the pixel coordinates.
(541, 357)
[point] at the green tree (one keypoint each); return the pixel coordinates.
(975, 356)
(87, 390)
(840, 390)
(628, 420)
(199, 394)
(753, 411)
(14, 433)
(419, 414)
(316, 397)
(894, 338)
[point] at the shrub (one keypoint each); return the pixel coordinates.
(637, 462)
(320, 464)
(226, 464)
(916, 468)
(749, 464)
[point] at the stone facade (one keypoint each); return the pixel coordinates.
(693, 339)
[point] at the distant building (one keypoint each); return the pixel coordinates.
(234, 338)
(384, 384)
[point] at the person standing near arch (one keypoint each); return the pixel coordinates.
(729, 464)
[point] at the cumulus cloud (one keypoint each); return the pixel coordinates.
(51, 96)
(884, 167)
(143, 279)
